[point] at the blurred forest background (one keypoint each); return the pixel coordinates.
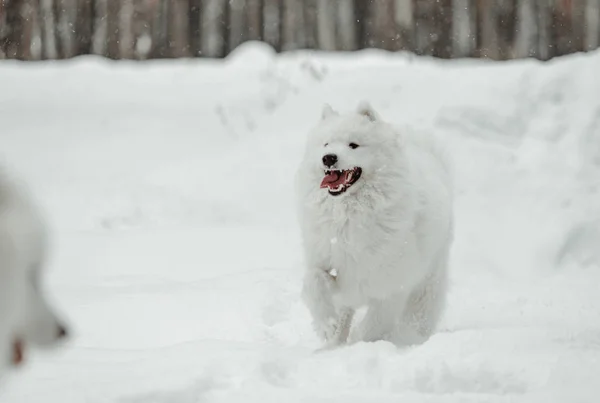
(145, 29)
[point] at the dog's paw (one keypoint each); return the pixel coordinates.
(327, 329)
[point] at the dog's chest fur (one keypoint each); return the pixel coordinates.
(363, 246)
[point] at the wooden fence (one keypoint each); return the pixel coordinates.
(143, 29)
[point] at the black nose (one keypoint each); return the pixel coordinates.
(62, 332)
(329, 160)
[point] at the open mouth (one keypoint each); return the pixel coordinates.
(337, 181)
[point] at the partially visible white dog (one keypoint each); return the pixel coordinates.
(376, 216)
(26, 317)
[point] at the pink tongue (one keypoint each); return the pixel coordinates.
(333, 180)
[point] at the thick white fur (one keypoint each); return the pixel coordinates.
(388, 237)
(25, 313)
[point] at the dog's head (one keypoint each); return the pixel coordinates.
(346, 151)
(35, 323)
(28, 319)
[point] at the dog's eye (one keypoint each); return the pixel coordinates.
(325, 145)
(353, 145)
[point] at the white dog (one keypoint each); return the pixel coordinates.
(26, 318)
(375, 211)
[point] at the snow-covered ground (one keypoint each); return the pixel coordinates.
(177, 259)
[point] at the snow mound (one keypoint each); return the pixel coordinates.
(252, 54)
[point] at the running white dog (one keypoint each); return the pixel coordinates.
(375, 210)
(26, 318)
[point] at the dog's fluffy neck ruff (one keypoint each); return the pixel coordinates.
(374, 196)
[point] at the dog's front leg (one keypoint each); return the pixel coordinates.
(331, 325)
(342, 329)
(317, 293)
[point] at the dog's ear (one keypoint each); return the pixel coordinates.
(328, 112)
(365, 109)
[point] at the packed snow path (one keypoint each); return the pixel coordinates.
(177, 257)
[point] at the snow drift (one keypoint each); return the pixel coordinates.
(177, 259)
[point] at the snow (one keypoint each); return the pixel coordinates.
(176, 254)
